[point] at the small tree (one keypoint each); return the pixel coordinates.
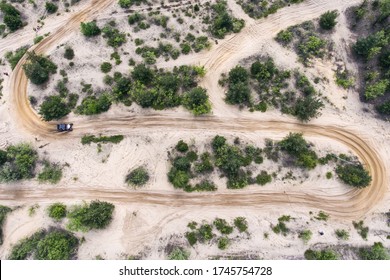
(57, 211)
(105, 67)
(328, 20)
(90, 29)
(51, 8)
(38, 68)
(69, 53)
(138, 177)
(376, 252)
(197, 101)
(53, 108)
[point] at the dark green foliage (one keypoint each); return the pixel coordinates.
(361, 229)
(105, 67)
(197, 101)
(138, 177)
(179, 254)
(53, 108)
(284, 37)
(51, 8)
(205, 232)
(376, 252)
(96, 215)
(353, 175)
(51, 173)
(322, 216)
(38, 68)
(69, 53)
(223, 226)
(328, 20)
(241, 224)
(223, 243)
(13, 58)
(371, 45)
(263, 178)
(259, 8)
(238, 75)
(326, 254)
(54, 244)
(191, 237)
(384, 108)
(281, 226)
(128, 3)
(3, 157)
(305, 235)
(203, 186)
(57, 211)
(182, 146)
(92, 105)
(377, 89)
(3, 214)
(12, 18)
(20, 163)
(223, 23)
(205, 165)
(182, 163)
(143, 74)
(342, 234)
(114, 38)
(179, 179)
(238, 93)
(90, 29)
(87, 139)
(38, 39)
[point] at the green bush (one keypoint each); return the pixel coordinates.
(51, 8)
(96, 215)
(223, 226)
(361, 229)
(284, 37)
(263, 178)
(305, 235)
(384, 108)
(197, 101)
(342, 234)
(223, 243)
(105, 67)
(241, 224)
(4, 210)
(90, 29)
(92, 105)
(223, 23)
(353, 175)
(179, 254)
(376, 252)
(371, 45)
(26, 247)
(38, 68)
(182, 146)
(178, 178)
(322, 216)
(69, 53)
(20, 163)
(57, 211)
(88, 139)
(326, 254)
(13, 58)
(205, 186)
(138, 177)
(51, 173)
(53, 108)
(328, 20)
(191, 238)
(205, 232)
(12, 18)
(377, 89)
(114, 38)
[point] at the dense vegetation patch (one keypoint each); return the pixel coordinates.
(57, 211)
(223, 23)
(138, 176)
(14, 57)
(262, 8)
(90, 29)
(38, 68)
(273, 88)
(51, 173)
(354, 175)
(179, 254)
(4, 210)
(326, 254)
(52, 244)
(95, 215)
(12, 17)
(376, 252)
(88, 139)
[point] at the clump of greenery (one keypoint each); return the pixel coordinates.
(223, 23)
(259, 8)
(38, 68)
(327, 254)
(54, 107)
(54, 244)
(298, 149)
(322, 216)
(361, 229)
(105, 67)
(376, 252)
(51, 8)
(342, 234)
(92, 105)
(138, 177)
(90, 29)
(69, 53)
(19, 163)
(344, 80)
(12, 17)
(128, 3)
(179, 254)
(223, 243)
(328, 20)
(51, 173)
(88, 139)
(96, 215)
(353, 175)
(223, 226)
(305, 235)
(197, 101)
(14, 57)
(241, 224)
(114, 37)
(4, 210)
(384, 108)
(57, 211)
(182, 146)
(371, 45)
(281, 226)
(263, 178)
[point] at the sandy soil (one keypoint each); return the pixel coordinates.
(147, 220)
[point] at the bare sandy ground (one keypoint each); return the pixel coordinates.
(147, 220)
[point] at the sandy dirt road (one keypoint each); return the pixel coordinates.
(222, 57)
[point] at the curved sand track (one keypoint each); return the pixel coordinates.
(352, 204)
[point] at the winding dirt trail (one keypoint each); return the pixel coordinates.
(352, 204)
